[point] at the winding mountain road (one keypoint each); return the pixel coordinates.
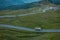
(28, 29)
(11, 16)
(43, 11)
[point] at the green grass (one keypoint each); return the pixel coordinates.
(10, 34)
(20, 11)
(50, 19)
(47, 20)
(13, 34)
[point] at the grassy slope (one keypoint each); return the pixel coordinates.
(12, 12)
(12, 34)
(20, 11)
(45, 20)
(50, 19)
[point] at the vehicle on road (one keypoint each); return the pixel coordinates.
(37, 28)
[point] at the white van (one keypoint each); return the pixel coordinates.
(37, 28)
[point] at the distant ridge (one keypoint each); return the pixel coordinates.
(16, 4)
(57, 2)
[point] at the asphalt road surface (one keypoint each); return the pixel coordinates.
(28, 29)
(12, 16)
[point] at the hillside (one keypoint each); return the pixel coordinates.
(48, 20)
(37, 14)
(14, 4)
(57, 2)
